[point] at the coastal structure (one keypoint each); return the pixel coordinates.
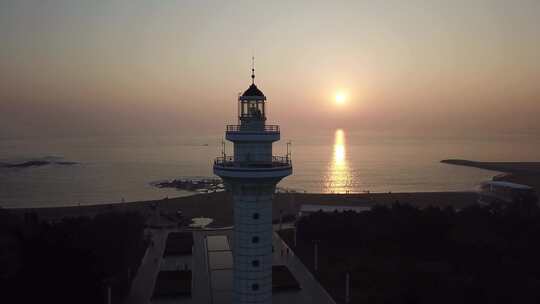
(502, 192)
(251, 175)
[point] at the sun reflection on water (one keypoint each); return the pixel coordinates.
(338, 178)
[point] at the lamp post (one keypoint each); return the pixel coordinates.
(295, 232)
(280, 219)
(347, 287)
(316, 255)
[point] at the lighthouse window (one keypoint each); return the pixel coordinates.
(255, 239)
(255, 216)
(255, 263)
(255, 286)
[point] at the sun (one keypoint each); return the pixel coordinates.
(340, 98)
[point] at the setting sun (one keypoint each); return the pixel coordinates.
(340, 98)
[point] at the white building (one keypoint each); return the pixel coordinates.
(251, 176)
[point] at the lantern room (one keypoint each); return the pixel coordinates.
(251, 105)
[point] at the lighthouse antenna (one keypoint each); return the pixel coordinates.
(223, 148)
(252, 69)
(289, 143)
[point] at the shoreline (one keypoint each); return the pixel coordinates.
(219, 207)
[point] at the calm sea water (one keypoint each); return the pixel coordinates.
(112, 169)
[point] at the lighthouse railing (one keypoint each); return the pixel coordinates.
(241, 128)
(276, 161)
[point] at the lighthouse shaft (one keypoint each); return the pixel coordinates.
(251, 175)
(252, 247)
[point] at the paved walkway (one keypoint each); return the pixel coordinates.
(142, 286)
(200, 292)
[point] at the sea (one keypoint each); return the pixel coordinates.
(112, 169)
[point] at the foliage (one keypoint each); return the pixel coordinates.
(404, 254)
(70, 261)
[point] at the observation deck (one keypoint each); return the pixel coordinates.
(277, 167)
(262, 129)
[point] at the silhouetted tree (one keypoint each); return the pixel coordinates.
(69, 261)
(402, 254)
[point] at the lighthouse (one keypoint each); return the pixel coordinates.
(251, 175)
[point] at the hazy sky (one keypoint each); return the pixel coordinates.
(132, 67)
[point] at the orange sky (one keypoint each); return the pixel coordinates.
(176, 67)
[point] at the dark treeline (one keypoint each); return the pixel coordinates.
(402, 254)
(70, 261)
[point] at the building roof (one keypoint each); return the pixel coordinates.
(253, 91)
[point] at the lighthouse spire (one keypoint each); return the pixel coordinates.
(252, 69)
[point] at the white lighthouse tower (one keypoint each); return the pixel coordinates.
(251, 176)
